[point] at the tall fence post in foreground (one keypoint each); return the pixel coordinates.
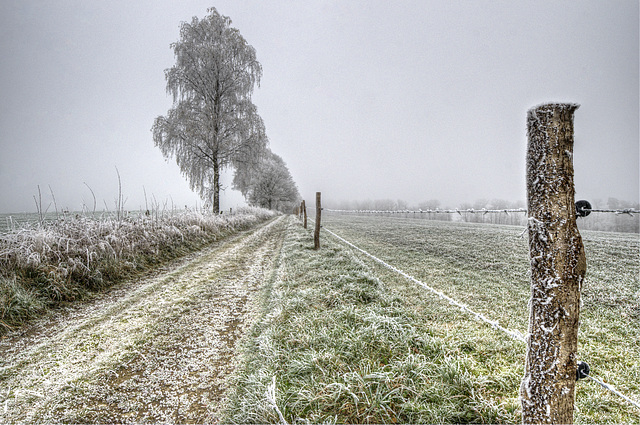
(558, 267)
(316, 233)
(304, 212)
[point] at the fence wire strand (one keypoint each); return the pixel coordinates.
(629, 211)
(514, 334)
(613, 390)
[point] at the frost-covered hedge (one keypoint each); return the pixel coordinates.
(45, 264)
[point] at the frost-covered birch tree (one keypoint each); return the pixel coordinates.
(269, 184)
(213, 123)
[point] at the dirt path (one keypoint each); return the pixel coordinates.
(157, 350)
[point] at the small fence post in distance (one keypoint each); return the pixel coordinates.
(558, 267)
(304, 212)
(316, 233)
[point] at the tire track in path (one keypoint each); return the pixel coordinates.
(159, 352)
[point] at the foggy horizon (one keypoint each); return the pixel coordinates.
(415, 101)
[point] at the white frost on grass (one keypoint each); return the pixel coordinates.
(158, 353)
(478, 316)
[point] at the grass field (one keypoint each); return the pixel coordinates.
(348, 340)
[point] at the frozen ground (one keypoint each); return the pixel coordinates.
(156, 350)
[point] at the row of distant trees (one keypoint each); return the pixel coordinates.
(609, 222)
(213, 123)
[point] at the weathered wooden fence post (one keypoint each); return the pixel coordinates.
(304, 212)
(558, 267)
(316, 233)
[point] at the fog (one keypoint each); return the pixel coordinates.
(412, 100)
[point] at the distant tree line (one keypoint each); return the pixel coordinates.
(267, 183)
(213, 123)
(608, 222)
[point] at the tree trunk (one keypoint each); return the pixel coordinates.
(558, 267)
(217, 105)
(216, 186)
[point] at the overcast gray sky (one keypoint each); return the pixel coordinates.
(410, 100)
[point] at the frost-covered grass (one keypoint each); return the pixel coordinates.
(53, 262)
(155, 349)
(350, 341)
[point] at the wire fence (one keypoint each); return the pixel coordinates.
(436, 211)
(513, 334)
(608, 220)
(629, 211)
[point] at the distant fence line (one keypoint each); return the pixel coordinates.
(609, 220)
(436, 211)
(629, 211)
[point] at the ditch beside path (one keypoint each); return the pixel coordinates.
(156, 350)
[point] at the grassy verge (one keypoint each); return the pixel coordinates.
(347, 347)
(350, 342)
(45, 265)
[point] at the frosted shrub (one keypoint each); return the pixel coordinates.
(61, 260)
